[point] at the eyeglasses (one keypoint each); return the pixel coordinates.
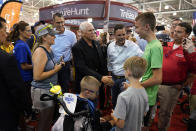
(47, 27)
(95, 92)
(61, 22)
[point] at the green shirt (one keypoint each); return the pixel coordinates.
(154, 57)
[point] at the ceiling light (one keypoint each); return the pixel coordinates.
(162, 23)
(26, 0)
(167, 7)
(60, 1)
(181, 18)
(174, 13)
(90, 20)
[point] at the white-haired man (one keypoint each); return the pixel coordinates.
(88, 58)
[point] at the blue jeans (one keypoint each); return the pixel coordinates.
(113, 129)
(116, 89)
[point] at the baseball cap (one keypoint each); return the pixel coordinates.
(43, 30)
(39, 23)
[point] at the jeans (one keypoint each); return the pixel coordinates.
(116, 89)
(64, 77)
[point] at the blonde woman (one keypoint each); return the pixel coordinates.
(45, 70)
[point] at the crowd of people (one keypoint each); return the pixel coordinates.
(122, 77)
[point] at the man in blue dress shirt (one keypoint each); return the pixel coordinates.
(64, 42)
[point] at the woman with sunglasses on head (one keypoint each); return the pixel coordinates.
(45, 70)
(19, 35)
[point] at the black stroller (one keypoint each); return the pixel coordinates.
(81, 120)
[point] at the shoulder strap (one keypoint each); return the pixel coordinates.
(47, 53)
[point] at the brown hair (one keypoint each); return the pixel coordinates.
(103, 37)
(14, 35)
(89, 82)
(136, 65)
(147, 18)
(57, 15)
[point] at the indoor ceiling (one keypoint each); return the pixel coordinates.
(165, 10)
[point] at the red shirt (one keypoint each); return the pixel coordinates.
(175, 66)
(193, 89)
(192, 67)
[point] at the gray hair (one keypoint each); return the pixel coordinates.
(84, 26)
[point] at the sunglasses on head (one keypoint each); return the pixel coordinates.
(47, 27)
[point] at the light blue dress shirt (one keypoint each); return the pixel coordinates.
(63, 45)
(141, 42)
(117, 55)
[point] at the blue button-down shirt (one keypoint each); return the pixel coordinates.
(141, 42)
(117, 55)
(63, 44)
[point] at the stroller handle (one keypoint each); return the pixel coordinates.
(46, 97)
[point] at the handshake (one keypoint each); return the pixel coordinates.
(107, 80)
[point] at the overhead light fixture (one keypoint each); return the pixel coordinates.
(174, 13)
(90, 20)
(181, 18)
(162, 23)
(60, 1)
(26, 0)
(167, 7)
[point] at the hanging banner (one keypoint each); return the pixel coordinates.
(10, 11)
(77, 11)
(71, 10)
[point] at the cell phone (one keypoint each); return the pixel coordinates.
(185, 40)
(62, 58)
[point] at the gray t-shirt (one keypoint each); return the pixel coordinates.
(131, 106)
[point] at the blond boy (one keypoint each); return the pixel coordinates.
(133, 102)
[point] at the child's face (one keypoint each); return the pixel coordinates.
(93, 93)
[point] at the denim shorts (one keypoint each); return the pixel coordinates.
(36, 94)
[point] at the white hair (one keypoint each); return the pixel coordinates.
(84, 26)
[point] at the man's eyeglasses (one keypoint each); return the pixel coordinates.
(61, 22)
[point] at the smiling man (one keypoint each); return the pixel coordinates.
(88, 59)
(145, 27)
(117, 52)
(64, 41)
